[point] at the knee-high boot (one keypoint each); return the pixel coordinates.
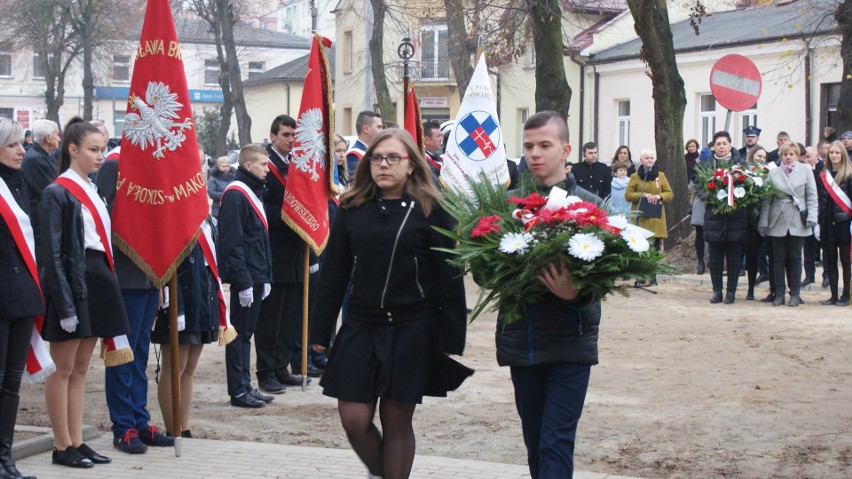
(8, 417)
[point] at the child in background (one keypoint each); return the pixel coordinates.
(619, 184)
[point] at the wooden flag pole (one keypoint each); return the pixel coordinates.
(174, 362)
(305, 306)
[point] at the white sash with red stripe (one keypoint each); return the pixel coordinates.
(39, 363)
(837, 194)
(227, 333)
(354, 150)
(253, 200)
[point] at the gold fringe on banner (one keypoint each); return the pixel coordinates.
(226, 335)
(142, 265)
(117, 357)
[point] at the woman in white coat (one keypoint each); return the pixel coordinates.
(786, 218)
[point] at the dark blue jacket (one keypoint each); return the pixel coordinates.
(245, 258)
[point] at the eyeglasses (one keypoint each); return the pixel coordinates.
(391, 159)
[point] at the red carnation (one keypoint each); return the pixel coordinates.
(486, 225)
(711, 185)
(724, 180)
(531, 202)
(740, 179)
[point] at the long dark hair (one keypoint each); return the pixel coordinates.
(75, 130)
(419, 186)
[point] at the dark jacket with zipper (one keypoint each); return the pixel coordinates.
(553, 331)
(385, 249)
(833, 221)
(19, 293)
(62, 249)
(245, 258)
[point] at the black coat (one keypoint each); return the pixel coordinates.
(729, 228)
(393, 271)
(129, 275)
(63, 250)
(19, 293)
(39, 170)
(596, 177)
(245, 258)
(833, 221)
(288, 248)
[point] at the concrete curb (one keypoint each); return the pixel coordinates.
(44, 441)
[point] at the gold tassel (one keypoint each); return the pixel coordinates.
(117, 357)
(226, 335)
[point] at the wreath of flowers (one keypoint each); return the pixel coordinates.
(734, 189)
(506, 240)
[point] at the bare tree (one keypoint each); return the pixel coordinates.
(461, 46)
(377, 60)
(551, 86)
(843, 15)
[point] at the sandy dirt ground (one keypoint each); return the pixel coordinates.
(685, 389)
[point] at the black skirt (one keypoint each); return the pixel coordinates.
(381, 360)
(101, 314)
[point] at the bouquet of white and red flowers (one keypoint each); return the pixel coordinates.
(505, 242)
(736, 188)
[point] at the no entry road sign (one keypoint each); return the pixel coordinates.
(735, 82)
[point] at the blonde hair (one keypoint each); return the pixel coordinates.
(248, 153)
(223, 160)
(844, 172)
(419, 185)
(10, 131)
(790, 146)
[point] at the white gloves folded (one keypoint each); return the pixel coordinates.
(246, 297)
(181, 320)
(267, 288)
(69, 324)
(314, 268)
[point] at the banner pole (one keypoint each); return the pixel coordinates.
(305, 306)
(174, 363)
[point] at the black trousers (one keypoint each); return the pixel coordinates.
(829, 264)
(752, 256)
(14, 345)
(699, 243)
(787, 251)
(238, 351)
(719, 253)
(811, 255)
(280, 316)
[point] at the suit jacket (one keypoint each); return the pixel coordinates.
(779, 214)
(39, 170)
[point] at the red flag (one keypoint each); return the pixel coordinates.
(413, 122)
(310, 179)
(161, 196)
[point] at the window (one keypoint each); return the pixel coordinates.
(347, 120)
(5, 59)
(255, 68)
(530, 60)
(523, 115)
(435, 43)
(7, 113)
(707, 118)
(121, 67)
(347, 52)
(211, 72)
(623, 119)
(37, 73)
(829, 96)
(118, 122)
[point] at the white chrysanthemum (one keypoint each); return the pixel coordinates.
(618, 221)
(739, 192)
(758, 181)
(635, 240)
(515, 243)
(573, 199)
(721, 195)
(585, 246)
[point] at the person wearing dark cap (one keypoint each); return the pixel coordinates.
(752, 135)
(846, 138)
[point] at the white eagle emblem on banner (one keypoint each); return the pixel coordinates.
(156, 123)
(310, 143)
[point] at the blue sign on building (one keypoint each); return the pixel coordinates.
(123, 93)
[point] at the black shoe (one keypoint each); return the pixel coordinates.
(700, 267)
(291, 379)
(828, 302)
(130, 443)
(842, 302)
(71, 457)
(825, 282)
(260, 397)
(795, 300)
(271, 385)
(761, 278)
(93, 456)
(769, 298)
(186, 434)
(313, 371)
(750, 295)
(7, 465)
(247, 400)
(321, 363)
(778, 301)
(729, 297)
(808, 280)
(153, 437)
(717, 297)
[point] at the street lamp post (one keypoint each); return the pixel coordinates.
(406, 53)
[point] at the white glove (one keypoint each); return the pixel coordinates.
(816, 232)
(69, 324)
(181, 322)
(246, 297)
(314, 268)
(267, 288)
(165, 298)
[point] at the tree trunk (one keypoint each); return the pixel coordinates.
(551, 87)
(227, 107)
(461, 47)
(652, 25)
(88, 79)
(377, 65)
(844, 103)
(232, 63)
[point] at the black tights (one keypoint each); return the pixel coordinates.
(752, 253)
(389, 453)
(830, 264)
(699, 243)
(14, 345)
